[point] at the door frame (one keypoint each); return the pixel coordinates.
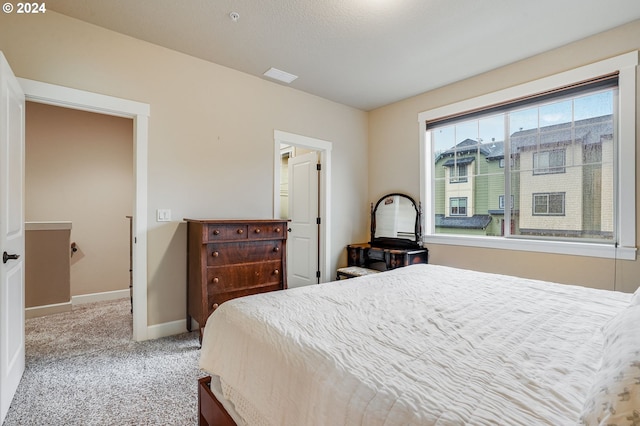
(324, 149)
(36, 91)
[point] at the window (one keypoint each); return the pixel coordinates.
(458, 174)
(458, 206)
(548, 204)
(549, 162)
(561, 148)
(546, 141)
(501, 202)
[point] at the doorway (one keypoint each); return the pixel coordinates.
(322, 150)
(86, 101)
(79, 170)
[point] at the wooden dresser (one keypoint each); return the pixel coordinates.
(388, 257)
(232, 258)
(396, 234)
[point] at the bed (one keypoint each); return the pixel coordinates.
(424, 345)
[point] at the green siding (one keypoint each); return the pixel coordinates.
(488, 187)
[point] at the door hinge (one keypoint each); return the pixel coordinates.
(317, 274)
(318, 166)
(318, 221)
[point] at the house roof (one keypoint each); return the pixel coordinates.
(461, 161)
(490, 150)
(587, 131)
(478, 221)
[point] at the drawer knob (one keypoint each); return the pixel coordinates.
(276, 272)
(214, 306)
(257, 230)
(278, 230)
(276, 249)
(240, 231)
(216, 232)
(216, 280)
(215, 254)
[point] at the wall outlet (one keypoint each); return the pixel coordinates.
(163, 215)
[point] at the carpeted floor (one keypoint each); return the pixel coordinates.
(82, 368)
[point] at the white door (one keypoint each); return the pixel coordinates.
(302, 243)
(11, 235)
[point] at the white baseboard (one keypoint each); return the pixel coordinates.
(56, 308)
(100, 297)
(40, 311)
(194, 324)
(153, 331)
(166, 329)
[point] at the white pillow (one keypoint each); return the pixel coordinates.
(614, 398)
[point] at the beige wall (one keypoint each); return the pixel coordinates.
(79, 168)
(47, 280)
(394, 145)
(211, 148)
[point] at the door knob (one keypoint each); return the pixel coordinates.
(6, 257)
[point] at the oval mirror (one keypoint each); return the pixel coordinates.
(395, 220)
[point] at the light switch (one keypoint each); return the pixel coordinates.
(163, 215)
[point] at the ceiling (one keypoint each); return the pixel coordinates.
(361, 53)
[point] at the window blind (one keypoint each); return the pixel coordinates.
(597, 83)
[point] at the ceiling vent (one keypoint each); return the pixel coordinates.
(280, 75)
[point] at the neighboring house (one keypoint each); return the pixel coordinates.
(470, 188)
(560, 185)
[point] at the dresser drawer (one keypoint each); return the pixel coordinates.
(226, 232)
(216, 299)
(243, 252)
(226, 278)
(265, 231)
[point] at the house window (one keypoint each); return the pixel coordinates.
(548, 204)
(458, 207)
(546, 162)
(458, 174)
(562, 149)
(501, 202)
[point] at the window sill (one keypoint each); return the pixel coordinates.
(557, 247)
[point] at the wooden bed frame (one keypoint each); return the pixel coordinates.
(211, 412)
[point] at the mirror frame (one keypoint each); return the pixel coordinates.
(396, 242)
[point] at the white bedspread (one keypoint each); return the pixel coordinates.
(420, 345)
